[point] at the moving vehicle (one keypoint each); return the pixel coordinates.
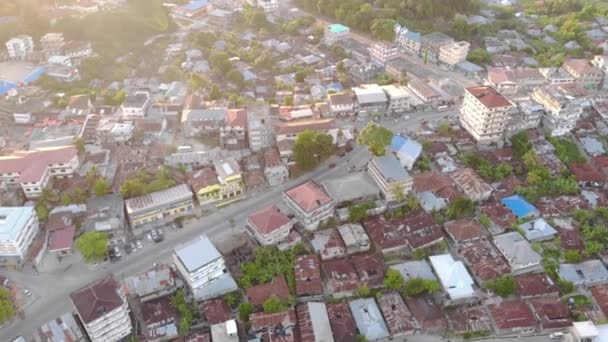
(442, 108)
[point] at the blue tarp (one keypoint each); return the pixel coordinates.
(6, 86)
(196, 5)
(34, 75)
(519, 206)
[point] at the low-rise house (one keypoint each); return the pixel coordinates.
(537, 230)
(520, 207)
(571, 239)
(469, 319)
(351, 188)
(230, 180)
(390, 176)
(592, 146)
(518, 252)
(79, 105)
(407, 39)
(340, 277)
(328, 244)
(60, 240)
(586, 273)
(106, 214)
(313, 322)
(386, 236)
(446, 164)
(258, 294)
(291, 130)
(428, 314)
(454, 53)
(215, 310)
(368, 317)
(342, 322)
(407, 150)
(225, 332)
(585, 74)
(307, 271)
(156, 282)
(434, 191)
(431, 44)
(159, 318)
(18, 228)
(354, 237)
(471, 184)
(103, 310)
(415, 269)
(483, 259)
(269, 225)
(428, 95)
(203, 269)
(159, 206)
(309, 203)
(399, 99)
(370, 269)
(335, 33)
(62, 328)
(341, 103)
(382, 52)
(503, 80)
(370, 99)
(464, 230)
(552, 313)
(280, 326)
(275, 171)
(454, 277)
(512, 317)
(397, 316)
(536, 285)
(600, 294)
(587, 175)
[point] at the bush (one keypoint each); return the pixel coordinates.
(245, 309)
(572, 257)
(393, 280)
(363, 291)
(274, 305)
(418, 286)
(503, 287)
(565, 286)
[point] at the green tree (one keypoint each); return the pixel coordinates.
(357, 213)
(461, 29)
(479, 56)
(93, 245)
(220, 62)
(398, 192)
(484, 220)
(79, 144)
(444, 129)
(273, 305)
(460, 207)
(233, 299)
(376, 138)
(101, 187)
(417, 286)
(393, 280)
(383, 29)
(186, 312)
(288, 101)
(215, 93)
(363, 291)
(7, 308)
(310, 148)
(300, 76)
(503, 287)
(42, 211)
(565, 286)
(573, 257)
(236, 77)
(361, 338)
(245, 309)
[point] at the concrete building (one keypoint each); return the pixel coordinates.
(503, 80)
(381, 52)
(370, 99)
(269, 226)
(408, 40)
(586, 74)
(389, 175)
(309, 203)
(103, 310)
(454, 277)
(454, 53)
(159, 206)
(275, 171)
(234, 131)
(518, 252)
(51, 42)
(399, 99)
(485, 114)
(335, 33)
(341, 103)
(587, 273)
(18, 227)
(268, 6)
(407, 150)
(20, 47)
(259, 128)
(33, 169)
(203, 268)
(562, 108)
(136, 104)
(430, 45)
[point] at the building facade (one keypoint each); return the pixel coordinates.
(18, 227)
(20, 47)
(159, 206)
(310, 204)
(454, 53)
(199, 262)
(399, 99)
(382, 52)
(562, 109)
(269, 226)
(259, 128)
(390, 176)
(485, 114)
(335, 33)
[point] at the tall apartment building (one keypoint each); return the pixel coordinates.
(485, 114)
(159, 206)
(382, 52)
(103, 310)
(399, 99)
(203, 268)
(390, 176)
(259, 127)
(430, 45)
(20, 46)
(18, 227)
(309, 203)
(454, 53)
(33, 169)
(562, 108)
(408, 40)
(370, 99)
(335, 33)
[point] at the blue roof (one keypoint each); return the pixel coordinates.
(413, 35)
(196, 5)
(34, 75)
(337, 28)
(13, 220)
(6, 86)
(397, 142)
(334, 86)
(405, 145)
(519, 206)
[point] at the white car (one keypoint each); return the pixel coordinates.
(27, 292)
(139, 244)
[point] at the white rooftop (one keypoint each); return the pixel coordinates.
(197, 253)
(453, 276)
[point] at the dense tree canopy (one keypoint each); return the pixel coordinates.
(144, 183)
(384, 29)
(7, 309)
(311, 148)
(503, 287)
(93, 245)
(376, 138)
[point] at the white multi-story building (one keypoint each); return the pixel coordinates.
(18, 227)
(33, 170)
(399, 99)
(390, 176)
(370, 99)
(269, 226)
(310, 204)
(341, 103)
(454, 53)
(562, 108)
(259, 127)
(382, 52)
(335, 33)
(202, 266)
(19, 47)
(268, 6)
(407, 39)
(485, 114)
(136, 104)
(103, 310)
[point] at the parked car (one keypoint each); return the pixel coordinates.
(139, 244)
(27, 292)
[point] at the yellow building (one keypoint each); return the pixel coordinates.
(220, 185)
(160, 205)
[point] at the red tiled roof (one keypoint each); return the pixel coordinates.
(397, 316)
(271, 157)
(340, 275)
(158, 310)
(500, 215)
(560, 206)
(427, 312)
(236, 118)
(600, 294)
(202, 178)
(384, 234)
(295, 127)
(342, 322)
(275, 325)
(431, 181)
(500, 75)
(215, 310)
(309, 196)
(59, 220)
(585, 172)
(97, 299)
(489, 97)
(582, 67)
(79, 102)
(260, 293)
(31, 165)
(483, 258)
(308, 275)
(61, 239)
(537, 284)
(369, 268)
(553, 313)
(464, 230)
(469, 318)
(601, 162)
(267, 220)
(571, 239)
(512, 314)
